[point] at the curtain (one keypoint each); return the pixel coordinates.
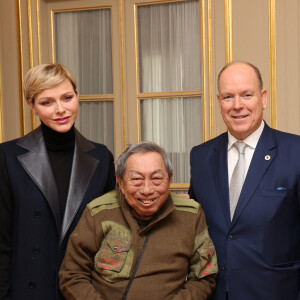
(174, 124)
(100, 116)
(169, 60)
(83, 45)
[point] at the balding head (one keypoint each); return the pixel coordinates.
(254, 68)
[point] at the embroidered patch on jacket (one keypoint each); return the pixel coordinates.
(204, 261)
(114, 258)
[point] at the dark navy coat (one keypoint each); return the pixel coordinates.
(259, 250)
(40, 235)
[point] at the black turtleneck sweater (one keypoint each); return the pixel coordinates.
(60, 148)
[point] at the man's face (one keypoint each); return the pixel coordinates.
(240, 100)
(145, 184)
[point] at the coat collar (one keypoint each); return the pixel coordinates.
(37, 165)
(219, 166)
(266, 146)
(84, 166)
(263, 157)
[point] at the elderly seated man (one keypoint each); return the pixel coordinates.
(140, 241)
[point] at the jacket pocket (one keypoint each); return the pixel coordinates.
(276, 192)
(114, 259)
(288, 265)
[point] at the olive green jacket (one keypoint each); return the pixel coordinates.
(179, 261)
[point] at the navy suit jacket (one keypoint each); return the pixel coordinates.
(259, 250)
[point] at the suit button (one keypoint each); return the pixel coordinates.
(32, 285)
(37, 213)
(36, 250)
(224, 268)
(230, 237)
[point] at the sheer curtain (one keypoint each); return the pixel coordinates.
(83, 45)
(169, 61)
(175, 124)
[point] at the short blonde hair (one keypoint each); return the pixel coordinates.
(44, 77)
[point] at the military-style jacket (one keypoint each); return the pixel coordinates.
(179, 261)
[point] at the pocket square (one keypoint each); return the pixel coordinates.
(281, 188)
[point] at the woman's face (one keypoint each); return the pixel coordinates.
(57, 106)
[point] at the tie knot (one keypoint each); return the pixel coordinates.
(240, 146)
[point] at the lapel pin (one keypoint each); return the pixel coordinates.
(267, 157)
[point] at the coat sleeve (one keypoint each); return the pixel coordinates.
(203, 268)
(191, 188)
(76, 270)
(6, 220)
(111, 177)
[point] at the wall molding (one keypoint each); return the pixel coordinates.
(20, 66)
(272, 62)
(1, 111)
(210, 73)
(228, 31)
(203, 46)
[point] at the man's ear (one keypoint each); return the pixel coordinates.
(120, 183)
(219, 101)
(264, 98)
(170, 179)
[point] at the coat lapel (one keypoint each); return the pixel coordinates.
(263, 157)
(220, 171)
(83, 169)
(37, 165)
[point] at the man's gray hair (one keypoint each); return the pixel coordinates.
(142, 148)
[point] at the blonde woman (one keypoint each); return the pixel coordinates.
(46, 179)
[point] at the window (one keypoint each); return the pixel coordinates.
(83, 44)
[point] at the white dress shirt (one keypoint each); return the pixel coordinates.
(233, 154)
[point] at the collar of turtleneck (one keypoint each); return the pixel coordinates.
(57, 141)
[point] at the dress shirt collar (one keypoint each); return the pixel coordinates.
(250, 140)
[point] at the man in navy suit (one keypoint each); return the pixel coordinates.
(257, 238)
